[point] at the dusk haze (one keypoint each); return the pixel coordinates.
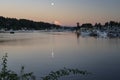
(66, 12)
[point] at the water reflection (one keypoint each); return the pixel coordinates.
(52, 54)
(34, 51)
(78, 35)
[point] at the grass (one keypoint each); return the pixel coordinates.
(6, 74)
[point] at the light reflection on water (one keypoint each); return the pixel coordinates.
(43, 52)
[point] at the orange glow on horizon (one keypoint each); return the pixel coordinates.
(57, 22)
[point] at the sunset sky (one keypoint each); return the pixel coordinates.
(64, 12)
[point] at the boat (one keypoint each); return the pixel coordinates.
(85, 32)
(12, 32)
(102, 34)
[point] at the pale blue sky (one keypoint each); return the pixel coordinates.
(67, 12)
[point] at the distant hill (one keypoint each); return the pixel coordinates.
(24, 24)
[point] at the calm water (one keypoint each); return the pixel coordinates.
(34, 51)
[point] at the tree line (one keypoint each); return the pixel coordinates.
(111, 25)
(24, 24)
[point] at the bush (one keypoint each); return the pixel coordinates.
(6, 74)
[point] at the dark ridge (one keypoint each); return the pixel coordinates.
(24, 24)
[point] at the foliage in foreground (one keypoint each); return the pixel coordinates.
(6, 74)
(63, 72)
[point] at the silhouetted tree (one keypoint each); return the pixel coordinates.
(18, 24)
(87, 25)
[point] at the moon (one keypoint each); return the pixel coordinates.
(52, 3)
